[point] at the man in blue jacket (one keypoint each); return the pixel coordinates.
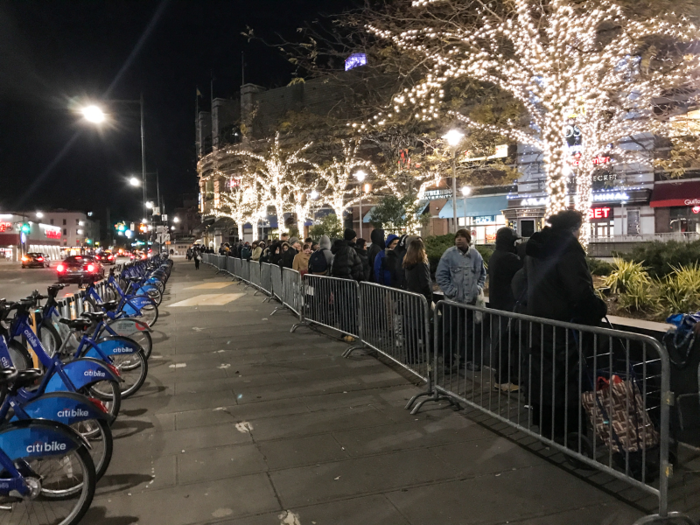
(461, 275)
(382, 271)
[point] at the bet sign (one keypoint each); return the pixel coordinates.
(599, 213)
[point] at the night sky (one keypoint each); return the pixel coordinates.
(56, 53)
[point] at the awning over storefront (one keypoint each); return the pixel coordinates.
(475, 207)
(667, 194)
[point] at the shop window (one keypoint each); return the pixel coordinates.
(633, 227)
(684, 220)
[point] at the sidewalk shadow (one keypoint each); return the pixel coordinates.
(124, 429)
(112, 483)
(98, 515)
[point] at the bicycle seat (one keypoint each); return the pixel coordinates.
(109, 305)
(81, 323)
(94, 316)
(27, 377)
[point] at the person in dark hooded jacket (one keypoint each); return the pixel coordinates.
(400, 253)
(346, 263)
(560, 287)
(503, 265)
(364, 257)
(382, 272)
(378, 246)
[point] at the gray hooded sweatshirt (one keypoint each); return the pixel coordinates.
(325, 243)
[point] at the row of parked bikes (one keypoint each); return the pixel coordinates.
(58, 402)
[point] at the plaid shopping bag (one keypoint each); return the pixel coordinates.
(616, 411)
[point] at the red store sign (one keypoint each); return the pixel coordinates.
(53, 234)
(5, 227)
(599, 213)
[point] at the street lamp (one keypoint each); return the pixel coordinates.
(93, 114)
(96, 115)
(134, 182)
(313, 195)
(466, 191)
(454, 137)
(39, 215)
(360, 176)
(149, 205)
(176, 219)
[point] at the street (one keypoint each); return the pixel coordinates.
(16, 283)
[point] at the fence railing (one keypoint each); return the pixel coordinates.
(600, 396)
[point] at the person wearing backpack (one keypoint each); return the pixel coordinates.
(321, 260)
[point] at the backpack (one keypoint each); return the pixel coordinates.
(246, 253)
(318, 264)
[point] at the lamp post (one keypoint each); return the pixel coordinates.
(466, 190)
(454, 138)
(96, 115)
(360, 176)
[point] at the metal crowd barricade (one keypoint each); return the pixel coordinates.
(396, 324)
(245, 271)
(256, 276)
(600, 396)
(330, 302)
(266, 278)
(230, 266)
(276, 280)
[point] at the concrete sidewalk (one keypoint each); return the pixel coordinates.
(241, 422)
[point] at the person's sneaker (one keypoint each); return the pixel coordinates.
(349, 339)
(509, 387)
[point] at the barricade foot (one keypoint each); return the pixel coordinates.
(436, 397)
(297, 325)
(350, 350)
(672, 518)
(277, 309)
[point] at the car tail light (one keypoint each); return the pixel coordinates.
(61, 268)
(91, 268)
(99, 404)
(111, 257)
(25, 259)
(39, 258)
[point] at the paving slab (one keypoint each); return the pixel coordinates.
(243, 423)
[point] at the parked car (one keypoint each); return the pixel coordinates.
(36, 260)
(79, 269)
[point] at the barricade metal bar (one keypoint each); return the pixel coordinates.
(291, 290)
(266, 279)
(600, 396)
(276, 280)
(396, 324)
(245, 271)
(330, 302)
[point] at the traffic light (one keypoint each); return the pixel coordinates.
(26, 228)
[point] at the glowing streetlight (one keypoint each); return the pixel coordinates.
(39, 215)
(454, 137)
(93, 114)
(466, 190)
(149, 205)
(313, 195)
(176, 219)
(360, 176)
(134, 181)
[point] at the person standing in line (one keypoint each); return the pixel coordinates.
(197, 259)
(257, 252)
(382, 274)
(417, 270)
(504, 264)
(364, 257)
(301, 260)
(378, 246)
(461, 275)
(346, 262)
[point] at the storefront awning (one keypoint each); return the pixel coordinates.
(685, 193)
(475, 207)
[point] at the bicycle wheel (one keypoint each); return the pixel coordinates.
(149, 314)
(67, 489)
(21, 358)
(156, 295)
(109, 393)
(133, 369)
(133, 329)
(99, 435)
(50, 338)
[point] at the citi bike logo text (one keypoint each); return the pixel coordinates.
(31, 338)
(69, 412)
(54, 446)
(5, 362)
(94, 373)
(122, 350)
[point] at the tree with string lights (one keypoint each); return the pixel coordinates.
(587, 65)
(278, 175)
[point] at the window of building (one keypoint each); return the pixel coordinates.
(65, 231)
(77, 222)
(684, 219)
(64, 222)
(633, 222)
(51, 221)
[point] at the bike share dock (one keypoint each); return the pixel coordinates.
(242, 422)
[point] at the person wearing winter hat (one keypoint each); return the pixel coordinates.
(346, 263)
(364, 257)
(382, 273)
